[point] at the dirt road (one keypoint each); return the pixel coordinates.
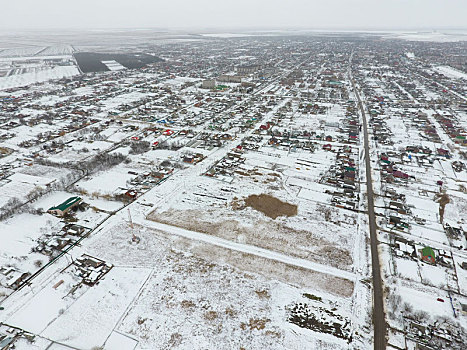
(379, 321)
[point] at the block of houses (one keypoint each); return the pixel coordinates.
(65, 207)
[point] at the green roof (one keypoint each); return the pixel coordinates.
(68, 203)
(427, 251)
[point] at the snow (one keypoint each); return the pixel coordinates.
(226, 35)
(43, 75)
(113, 65)
(91, 319)
(430, 36)
(451, 72)
(408, 269)
(107, 182)
(426, 300)
(118, 341)
(19, 234)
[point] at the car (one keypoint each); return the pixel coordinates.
(441, 300)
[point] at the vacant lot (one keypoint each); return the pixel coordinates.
(263, 233)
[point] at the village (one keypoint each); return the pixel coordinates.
(128, 194)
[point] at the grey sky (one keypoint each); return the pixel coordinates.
(332, 14)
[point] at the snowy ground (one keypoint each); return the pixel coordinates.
(39, 76)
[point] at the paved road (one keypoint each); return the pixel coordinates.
(379, 321)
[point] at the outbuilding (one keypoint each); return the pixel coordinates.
(62, 209)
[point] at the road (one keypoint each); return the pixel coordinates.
(379, 317)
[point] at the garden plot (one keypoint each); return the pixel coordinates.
(83, 320)
(451, 72)
(19, 235)
(177, 82)
(435, 276)
(79, 151)
(115, 134)
(408, 269)
(44, 171)
(19, 241)
(454, 211)
(425, 298)
(51, 100)
(461, 274)
(20, 185)
(25, 133)
(106, 182)
(115, 102)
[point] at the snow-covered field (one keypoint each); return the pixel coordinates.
(451, 72)
(39, 76)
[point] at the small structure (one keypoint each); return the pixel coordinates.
(428, 255)
(208, 84)
(62, 209)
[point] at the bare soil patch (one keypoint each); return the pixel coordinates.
(270, 206)
(442, 199)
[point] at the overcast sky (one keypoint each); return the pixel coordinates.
(173, 14)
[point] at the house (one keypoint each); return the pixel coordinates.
(62, 209)
(428, 255)
(399, 174)
(188, 159)
(443, 153)
(91, 269)
(74, 230)
(131, 194)
(398, 222)
(16, 278)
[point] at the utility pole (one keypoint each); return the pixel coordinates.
(129, 217)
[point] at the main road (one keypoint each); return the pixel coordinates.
(379, 319)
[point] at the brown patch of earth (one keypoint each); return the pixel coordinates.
(442, 199)
(270, 206)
